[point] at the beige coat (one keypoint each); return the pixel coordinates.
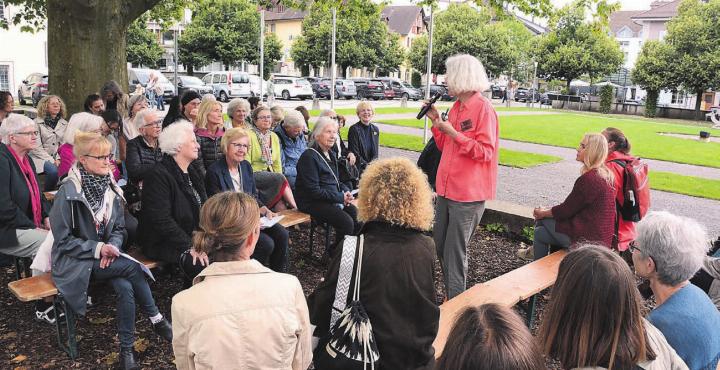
(241, 315)
(712, 267)
(48, 142)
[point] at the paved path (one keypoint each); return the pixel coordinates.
(549, 184)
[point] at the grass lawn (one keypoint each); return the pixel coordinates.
(350, 112)
(567, 129)
(688, 185)
(510, 158)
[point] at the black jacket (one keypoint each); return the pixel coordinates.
(358, 144)
(397, 291)
(210, 150)
(170, 212)
(317, 180)
(140, 159)
(15, 206)
(429, 161)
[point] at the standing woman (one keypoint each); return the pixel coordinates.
(6, 105)
(364, 136)
(114, 97)
(467, 174)
(265, 156)
(51, 125)
(89, 229)
(208, 132)
(619, 149)
(129, 132)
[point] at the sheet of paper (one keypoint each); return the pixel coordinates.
(269, 222)
(142, 265)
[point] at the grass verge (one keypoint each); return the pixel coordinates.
(688, 185)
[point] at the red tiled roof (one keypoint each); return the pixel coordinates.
(620, 19)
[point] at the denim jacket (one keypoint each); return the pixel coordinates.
(291, 151)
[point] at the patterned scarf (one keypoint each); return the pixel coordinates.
(94, 187)
(265, 146)
(50, 121)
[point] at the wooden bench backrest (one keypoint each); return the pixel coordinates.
(506, 290)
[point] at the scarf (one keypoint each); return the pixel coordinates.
(32, 185)
(94, 188)
(265, 147)
(50, 121)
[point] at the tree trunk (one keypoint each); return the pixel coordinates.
(86, 45)
(698, 101)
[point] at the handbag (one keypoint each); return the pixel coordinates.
(350, 343)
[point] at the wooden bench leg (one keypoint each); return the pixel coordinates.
(531, 311)
(66, 335)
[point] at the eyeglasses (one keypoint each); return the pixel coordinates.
(28, 133)
(633, 247)
(103, 158)
(157, 123)
(238, 146)
(264, 117)
(334, 118)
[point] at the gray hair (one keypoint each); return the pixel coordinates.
(236, 104)
(133, 100)
(13, 124)
(173, 136)
(677, 245)
(139, 120)
(82, 121)
(319, 128)
(465, 73)
(327, 113)
(294, 118)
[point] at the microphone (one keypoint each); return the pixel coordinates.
(427, 106)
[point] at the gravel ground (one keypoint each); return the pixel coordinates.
(549, 184)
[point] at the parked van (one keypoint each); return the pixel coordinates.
(229, 84)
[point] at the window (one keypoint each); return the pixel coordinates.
(2, 12)
(272, 27)
(678, 97)
(290, 37)
(206, 79)
(624, 43)
(216, 79)
(168, 38)
(223, 78)
(4, 75)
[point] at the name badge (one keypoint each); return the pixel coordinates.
(465, 125)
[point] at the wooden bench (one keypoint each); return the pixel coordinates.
(506, 290)
(293, 217)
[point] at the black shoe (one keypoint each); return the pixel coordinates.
(164, 330)
(127, 359)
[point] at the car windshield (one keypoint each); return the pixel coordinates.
(143, 76)
(191, 80)
(302, 81)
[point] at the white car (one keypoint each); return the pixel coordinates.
(289, 87)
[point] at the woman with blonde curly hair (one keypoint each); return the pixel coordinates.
(396, 287)
(588, 213)
(236, 303)
(51, 125)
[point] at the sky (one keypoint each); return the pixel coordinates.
(624, 4)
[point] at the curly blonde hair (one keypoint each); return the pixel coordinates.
(42, 106)
(394, 190)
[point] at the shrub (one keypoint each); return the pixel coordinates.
(606, 99)
(651, 103)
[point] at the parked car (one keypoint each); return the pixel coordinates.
(289, 87)
(320, 89)
(497, 92)
(255, 85)
(434, 88)
(142, 76)
(388, 91)
(402, 89)
(33, 88)
(369, 89)
(229, 84)
(527, 95)
(343, 88)
(186, 83)
(547, 97)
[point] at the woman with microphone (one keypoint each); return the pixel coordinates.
(467, 174)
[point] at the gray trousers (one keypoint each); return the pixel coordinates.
(545, 236)
(29, 242)
(455, 223)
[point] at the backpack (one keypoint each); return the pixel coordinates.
(636, 189)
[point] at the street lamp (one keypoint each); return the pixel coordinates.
(535, 87)
(429, 71)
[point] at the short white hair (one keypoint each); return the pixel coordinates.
(319, 128)
(13, 124)
(82, 121)
(327, 113)
(139, 119)
(236, 104)
(465, 73)
(173, 136)
(677, 244)
(294, 118)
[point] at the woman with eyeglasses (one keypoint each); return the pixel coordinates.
(265, 157)
(52, 125)
(24, 220)
(88, 225)
(588, 213)
(85, 122)
(233, 173)
(143, 151)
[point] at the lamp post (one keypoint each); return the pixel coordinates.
(175, 59)
(535, 87)
(429, 72)
(332, 59)
(262, 53)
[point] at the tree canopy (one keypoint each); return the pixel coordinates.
(142, 46)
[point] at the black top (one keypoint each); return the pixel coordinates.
(317, 179)
(140, 159)
(218, 179)
(363, 141)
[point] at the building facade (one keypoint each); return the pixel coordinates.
(16, 66)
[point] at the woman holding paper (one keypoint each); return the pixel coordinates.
(88, 225)
(233, 173)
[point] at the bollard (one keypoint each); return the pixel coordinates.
(403, 102)
(316, 103)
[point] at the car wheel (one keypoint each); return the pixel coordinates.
(348, 97)
(223, 96)
(375, 98)
(286, 95)
(21, 100)
(406, 96)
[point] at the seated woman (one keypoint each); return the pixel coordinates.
(238, 111)
(233, 173)
(341, 151)
(668, 251)
(143, 151)
(594, 317)
(7, 104)
(293, 143)
(94, 104)
(52, 125)
(23, 209)
(364, 136)
(490, 336)
(79, 122)
(235, 292)
(173, 192)
(395, 202)
(265, 158)
(588, 213)
(180, 109)
(89, 228)
(208, 132)
(319, 191)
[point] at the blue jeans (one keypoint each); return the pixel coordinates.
(129, 284)
(545, 236)
(160, 102)
(51, 176)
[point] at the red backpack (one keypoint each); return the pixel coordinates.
(636, 189)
